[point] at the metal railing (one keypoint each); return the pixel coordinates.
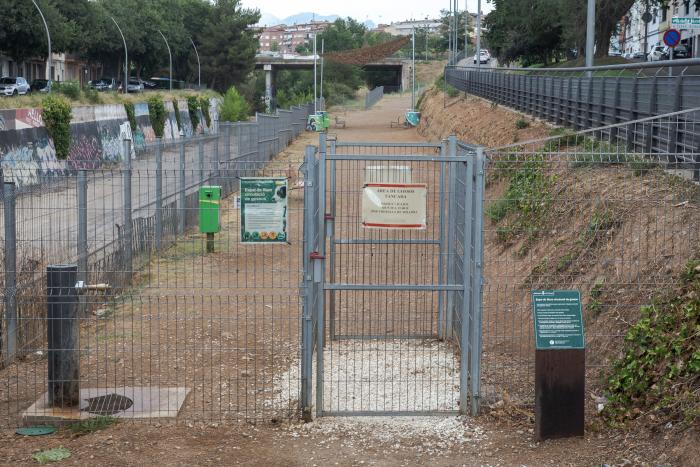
(582, 98)
(374, 96)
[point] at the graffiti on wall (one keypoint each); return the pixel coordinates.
(144, 131)
(214, 114)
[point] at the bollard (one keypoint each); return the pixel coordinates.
(63, 336)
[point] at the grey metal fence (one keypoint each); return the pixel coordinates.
(580, 99)
(167, 328)
(374, 96)
(392, 314)
(586, 211)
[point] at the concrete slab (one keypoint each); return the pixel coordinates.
(149, 402)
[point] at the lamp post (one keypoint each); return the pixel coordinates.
(323, 46)
(315, 80)
(478, 35)
(590, 34)
(199, 66)
(126, 58)
(48, 36)
(171, 59)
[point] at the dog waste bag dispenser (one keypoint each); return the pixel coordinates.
(210, 209)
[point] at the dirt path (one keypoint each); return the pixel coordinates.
(220, 341)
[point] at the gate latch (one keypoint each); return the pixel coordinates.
(318, 266)
(316, 255)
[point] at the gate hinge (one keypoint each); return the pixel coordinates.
(316, 255)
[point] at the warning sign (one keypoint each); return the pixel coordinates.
(394, 206)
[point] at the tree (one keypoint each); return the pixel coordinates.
(446, 20)
(234, 108)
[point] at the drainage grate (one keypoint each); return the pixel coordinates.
(108, 404)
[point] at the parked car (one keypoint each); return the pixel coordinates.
(134, 85)
(657, 54)
(638, 56)
(484, 57)
(680, 51)
(104, 84)
(14, 86)
(41, 85)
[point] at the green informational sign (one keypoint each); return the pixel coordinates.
(558, 321)
(687, 22)
(263, 210)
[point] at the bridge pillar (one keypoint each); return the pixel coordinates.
(269, 89)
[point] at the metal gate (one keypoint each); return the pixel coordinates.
(392, 317)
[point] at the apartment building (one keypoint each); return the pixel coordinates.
(286, 39)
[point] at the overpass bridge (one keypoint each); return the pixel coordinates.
(401, 70)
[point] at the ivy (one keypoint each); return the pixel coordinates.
(156, 111)
(177, 114)
(57, 115)
(204, 104)
(659, 371)
(131, 115)
(193, 108)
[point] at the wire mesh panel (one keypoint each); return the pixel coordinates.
(155, 324)
(593, 211)
(383, 346)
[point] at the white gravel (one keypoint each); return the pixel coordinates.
(382, 376)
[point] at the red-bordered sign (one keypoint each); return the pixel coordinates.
(672, 37)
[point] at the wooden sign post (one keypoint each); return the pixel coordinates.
(560, 364)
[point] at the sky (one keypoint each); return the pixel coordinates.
(382, 11)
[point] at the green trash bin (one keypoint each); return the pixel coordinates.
(210, 209)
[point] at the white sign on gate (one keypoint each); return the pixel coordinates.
(396, 206)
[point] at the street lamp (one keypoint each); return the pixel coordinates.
(126, 58)
(199, 66)
(590, 35)
(171, 59)
(48, 36)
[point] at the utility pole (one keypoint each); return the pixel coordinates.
(315, 78)
(126, 58)
(199, 66)
(171, 59)
(646, 19)
(413, 79)
(48, 36)
(590, 35)
(478, 35)
(466, 28)
(323, 45)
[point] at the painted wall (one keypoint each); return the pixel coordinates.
(144, 133)
(171, 131)
(185, 120)
(27, 154)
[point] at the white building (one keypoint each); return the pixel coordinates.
(632, 35)
(405, 28)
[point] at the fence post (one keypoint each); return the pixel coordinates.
(321, 249)
(589, 104)
(477, 282)
(62, 327)
(182, 192)
(649, 127)
(200, 164)
(10, 328)
(616, 109)
(128, 224)
(467, 259)
(82, 244)
(677, 104)
(307, 321)
(159, 194)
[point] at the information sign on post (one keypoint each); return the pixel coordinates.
(560, 363)
(264, 210)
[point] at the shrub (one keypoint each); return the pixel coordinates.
(192, 108)
(70, 89)
(57, 115)
(131, 115)
(177, 114)
(521, 124)
(156, 111)
(234, 108)
(92, 96)
(204, 105)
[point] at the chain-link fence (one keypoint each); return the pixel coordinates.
(159, 327)
(374, 96)
(594, 211)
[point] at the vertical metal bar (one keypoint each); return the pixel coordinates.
(82, 244)
(182, 192)
(451, 225)
(674, 129)
(128, 224)
(320, 311)
(441, 256)
(477, 283)
(159, 194)
(464, 340)
(10, 328)
(200, 165)
(331, 243)
(308, 283)
(649, 127)
(615, 109)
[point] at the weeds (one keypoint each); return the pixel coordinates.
(93, 424)
(521, 124)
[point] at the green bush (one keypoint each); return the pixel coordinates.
(131, 115)
(92, 96)
(521, 124)
(57, 115)
(177, 114)
(204, 105)
(70, 89)
(192, 108)
(234, 108)
(156, 111)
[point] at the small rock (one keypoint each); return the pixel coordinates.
(669, 425)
